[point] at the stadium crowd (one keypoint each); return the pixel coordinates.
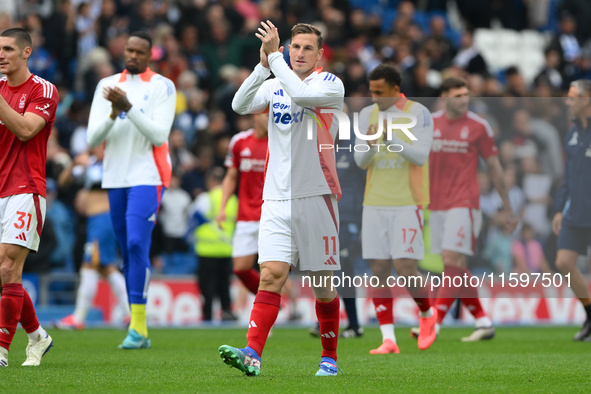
(208, 48)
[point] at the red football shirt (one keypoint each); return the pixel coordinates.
(453, 162)
(22, 164)
(248, 154)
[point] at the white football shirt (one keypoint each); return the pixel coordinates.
(296, 166)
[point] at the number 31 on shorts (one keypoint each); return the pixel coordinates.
(22, 217)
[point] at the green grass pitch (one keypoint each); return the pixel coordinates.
(542, 359)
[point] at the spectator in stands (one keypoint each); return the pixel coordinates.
(181, 158)
(497, 248)
(109, 24)
(61, 38)
(191, 49)
(224, 48)
(86, 29)
(528, 255)
(195, 119)
(568, 45)
(515, 83)
(536, 189)
(174, 219)
(443, 50)
(469, 58)
(194, 181)
(552, 73)
(187, 80)
(61, 257)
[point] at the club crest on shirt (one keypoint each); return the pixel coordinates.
(464, 133)
(21, 103)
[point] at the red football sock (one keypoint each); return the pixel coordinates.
(470, 299)
(383, 302)
(250, 279)
(28, 319)
(262, 317)
(447, 291)
(328, 319)
(11, 305)
(422, 298)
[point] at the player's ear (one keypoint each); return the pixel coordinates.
(320, 53)
(27, 52)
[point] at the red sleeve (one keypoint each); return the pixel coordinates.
(486, 141)
(236, 154)
(231, 157)
(43, 101)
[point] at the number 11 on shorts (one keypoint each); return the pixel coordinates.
(328, 241)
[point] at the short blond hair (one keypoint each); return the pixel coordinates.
(306, 28)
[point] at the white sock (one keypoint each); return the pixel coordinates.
(117, 283)
(437, 328)
(37, 335)
(4, 352)
(427, 313)
(483, 322)
(388, 332)
(86, 291)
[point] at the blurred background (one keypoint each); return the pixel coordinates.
(519, 57)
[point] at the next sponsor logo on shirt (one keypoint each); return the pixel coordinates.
(287, 118)
(450, 146)
(254, 165)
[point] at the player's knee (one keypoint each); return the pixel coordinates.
(269, 281)
(135, 245)
(7, 269)
(272, 279)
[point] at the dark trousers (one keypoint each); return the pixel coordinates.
(214, 280)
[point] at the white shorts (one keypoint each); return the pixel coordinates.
(21, 220)
(304, 229)
(455, 230)
(392, 233)
(246, 239)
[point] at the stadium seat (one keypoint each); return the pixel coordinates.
(503, 48)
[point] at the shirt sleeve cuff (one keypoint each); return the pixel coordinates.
(262, 70)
